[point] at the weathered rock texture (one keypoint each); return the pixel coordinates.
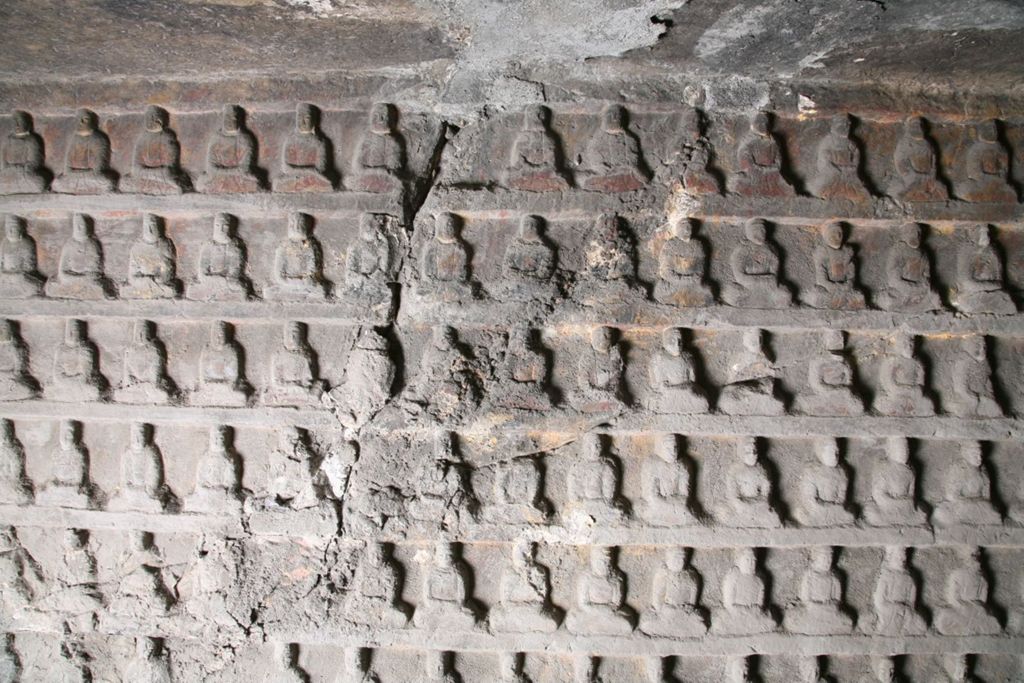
(591, 389)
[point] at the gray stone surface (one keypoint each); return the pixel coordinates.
(447, 341)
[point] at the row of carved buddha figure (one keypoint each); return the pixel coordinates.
(530, 268)
(614, 162)
(140, 592)
(448, 382)
(296, 266)
(232, 158)
(155, 660)
(445, 492)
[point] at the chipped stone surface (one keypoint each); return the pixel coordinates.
(681, 386)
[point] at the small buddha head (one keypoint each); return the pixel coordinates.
(827, 451)
(914, 127)
(821, 558)
(138, 435)
(970, 453)
(672, 340)
(436, 663)
(810, 669)
(739, 669)
(981, 235)
(668, 448)
(761, 124)
(746, 560)
(382, 117)
(14, 227)
(691, 124)
(299, 226)
(530, 229)
(601, 560)
(143, 331)
(375, 553)
(220, 333)
(833, 340)
(81, 227)
(895, 557)
(974, 346)
(370, 339)
(306, 118)
(601, 339)
(833, 234)
(288, 437)
(371, 225)
(294, 335)
(22, 122)
(606, 227)
(903, 344)
(220, 438)
(591, 447)
(987, 131)
(510, 664)
(884, 669)
(444, 553)
(613, 118)
(897, 450)
(957, 666)
(536, 117)
(75, 539)
(523, 554)
(753, 341)
(223, 227)
(356, 659)
(151, 228)
(69, 431)
(74, 332)
(756, 231)
(87, 122)
(840, 126)
(446, 229)
(683, 229)
(520, 339)
(231, 119)
(445, 338)
(156, 118)
(910, 234)
(746, 449)
(676, 558)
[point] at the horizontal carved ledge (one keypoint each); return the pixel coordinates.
(551, 430)
(709, 535)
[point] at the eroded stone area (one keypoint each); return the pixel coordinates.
(573, 393)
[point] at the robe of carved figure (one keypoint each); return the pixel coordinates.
(22, 158)
(599, 607)
(524, 603)
(682, 266)
(535, 161)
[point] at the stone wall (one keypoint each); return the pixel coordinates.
(575, 392)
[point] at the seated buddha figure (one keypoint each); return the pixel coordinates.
(967, 612)
(371, 262)
(218, 488)
(682, 265)
(76, 367)
(824, 489)
(380, 162)
(19, 262)
(667, 485)
(524, 603)
(142, 486)
(751, 381)
(838, 165)
(152, 264)
(672, 378)
(156, 161)
(447, 603)
(987, 166)
(745, 609)
(535, 162)
(23, 158)
(902, 382)
(980, 287)
(893, 489)
(16, 380)
(967, 498)
(612, 160)
(231, 157)
(600, 374)
(749, 491)
(600, 607)
(830, 382)
(444, 269)
(908, 275)
(759, 162)
(755, 269)
(221, 377)
(973, 393)
(895, 598)
(70, 484)
(87, 164)
(80, 272)
(528, 267)
(917, 162)
(145, 379)
(374, 598)
(835, 272)
(675, 610)
(222, 259)
(595, 482)
(820, 611)
(523, 373)
(305, 156)
(697, 177)
(294, 379)
(609, 274)
(298, 265)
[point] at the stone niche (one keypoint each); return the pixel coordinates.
(576, 393)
